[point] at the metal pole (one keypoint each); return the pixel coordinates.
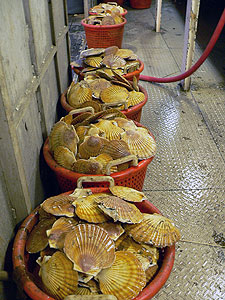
(158, 15)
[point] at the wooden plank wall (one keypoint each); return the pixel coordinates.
(34, 60)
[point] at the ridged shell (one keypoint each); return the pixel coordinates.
(124, 279)
(91, 146)
(88, 210)
(93, 61)
(60, 205)
(91, 285)
(145, 262)
(92, 52)
(89, 166)
(124, 53)
(64, 157)
(141, 145)
(116, 149)
(114, 230)
(58, 276)
(119, 209)
(108, 20)
(90, 248)
(113, 62)
(111, 114)
(56, 235)
(127, 193)
(112, 132)
(155, 230)
(111, 50)
(37, 239)
(80, 118)
(79, 95)
(104, 159)
(114, 94)
(82, 132)
(65, 135)
(80, 291)
(98, 85)
(97, 106)
(135, 98)
(125, 124)
(67, 119)
(151, 271)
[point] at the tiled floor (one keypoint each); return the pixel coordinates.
(186, 180)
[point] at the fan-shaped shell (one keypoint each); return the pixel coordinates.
(155, 229)
(82, 131)
(111, 50)
(64, 157)
(111, 113)
(151, 271)
(88, 210)
(104, 159)
(80, 118)
(143, 146)
(112, 132)
(95, 131)
(98, 85)
(127, 193)
(91, 285)
(81, 291)
(37, 239)
(113, 62)
(93, 61)
(91, 146)
(90, 248)
(119, 209)
(108, 20)
(114, 230)
(79, 95)
(135, 98)
(56, 235)
(60, 205)
(124, 53)
(124, 279)
(92, 52)
(114, 94)
(58, 276)
(89, 166)
(67, 119)
(65, 135)
(116, 149)
(125, 124)
(97, 106)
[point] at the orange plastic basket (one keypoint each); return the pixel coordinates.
(119, 2)
(103, 36)
(128, 76)
(24, 267)
(140, 4)
(67, 180)
(133, 113)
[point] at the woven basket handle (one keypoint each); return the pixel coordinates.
(95, 179)
(119, 161)
(81, 110)
(113, 104)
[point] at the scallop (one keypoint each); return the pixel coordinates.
(82, 131)
(127, 193)
(124, 53)
(125, 279)
(104, 159)
(93, 61)
(111, 50)
(60, 205)
(155, 230)
(89, 166)
(108, 20)
(125, 124)
(98, 85)
(91, 146)
(92, 52)
(114, 230)
(119, 209)
(64, 157)
(37, 239)
(113, 62)
(141, 145)
(58, 276)
(90, 248)
(116, 149)
(88, 210)
(81, 117)
(97, 106)
(112, 132)
(56, 235)
(135, 98)
(151, 271)
(79, 95)
(114, 94)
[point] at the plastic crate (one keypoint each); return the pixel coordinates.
(140, 4)
(133, 113)
(104, 36)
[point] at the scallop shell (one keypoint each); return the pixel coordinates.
(111, 113)
(114, 230)
(67, 119)
(104, 159)
(98, 85)
(80, 291)
(124, 279)
(141, 145)
(79, 95)
(93, 61)
(151, 271)
(108, 20)
(155, 230)
(113, 62)
(125, 124)
(37, 239)
(114, 94)
(111, 50)
(92, 52)
(90, 248)
(91, 146)
(112, 132)
(88, 210)
(124, 53)
(56, 235)
(135, 98)
(82, 131)
(119, 209)
(127, 193)
(64, 157)
(60, 205)
(95, 131)
(80, 118)
(58, 276)
(106, 75)
(116, 149)
(145, 262)
(89, 166)
(91, 285)
(65, 135)
(97, 106)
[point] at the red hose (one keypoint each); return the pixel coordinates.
(205, 54)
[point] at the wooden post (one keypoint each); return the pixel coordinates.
(158, 15)
(190, 30)
(86, 8)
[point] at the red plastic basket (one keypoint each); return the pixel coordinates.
(22, 261)
(104, 36)
(122, 14)
(132, 177)
(140, 4)
(119, 2)
(133, 113)
(128, 76)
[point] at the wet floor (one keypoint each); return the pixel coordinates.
(186, 180)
